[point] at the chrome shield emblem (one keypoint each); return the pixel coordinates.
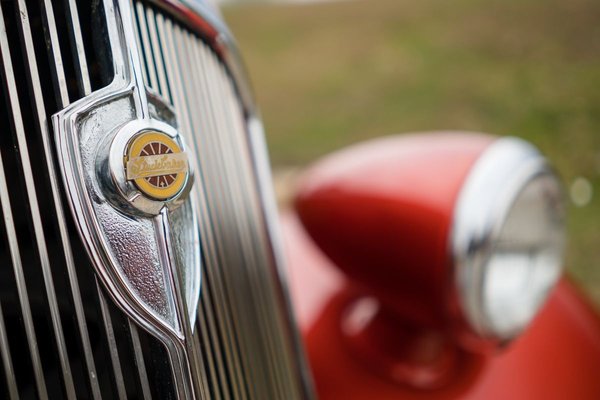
(127, 174)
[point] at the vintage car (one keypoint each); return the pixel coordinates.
(141, 253)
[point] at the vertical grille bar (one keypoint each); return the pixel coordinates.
(58, 71)
(157, 56)
(138, 8)
(9, 370)
(139, 360)
(205, 394)
(77, 40)
(112, 345)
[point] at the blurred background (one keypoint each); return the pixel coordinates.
(331, 73)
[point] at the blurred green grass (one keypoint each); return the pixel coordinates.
(327, 75)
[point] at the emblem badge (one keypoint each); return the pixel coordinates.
(129, 177)
(157, 165)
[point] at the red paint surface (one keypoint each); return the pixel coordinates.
(557, 358)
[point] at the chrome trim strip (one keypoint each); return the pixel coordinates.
(58, 72)
(138, 37)
(186, 381)
(9, 371)
(112, 344)
(139, 359)
(158, 56)
(77, 41)
(133, 63)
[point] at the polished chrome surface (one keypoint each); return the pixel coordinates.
(82, 73)
(236, 341)
(54, 47)
(9, 77)
(111, 171)
(75, 28)
(31, 190)
(59, 310)
(144, 270)
(22, 289)
(7, 363)
(139, 360)
(43, 126)
(498, 177)
(112, 346)
(244, 313)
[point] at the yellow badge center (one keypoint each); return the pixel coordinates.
(156, 164)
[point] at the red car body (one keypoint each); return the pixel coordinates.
(413, 357)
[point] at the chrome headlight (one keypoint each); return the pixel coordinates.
(508, 238)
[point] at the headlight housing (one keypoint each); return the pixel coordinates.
(461, 234)
(508, 239)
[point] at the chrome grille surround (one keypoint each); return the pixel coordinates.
(244, 332)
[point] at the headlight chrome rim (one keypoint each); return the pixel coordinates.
(484, 203)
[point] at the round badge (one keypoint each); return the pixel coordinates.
(156, 164)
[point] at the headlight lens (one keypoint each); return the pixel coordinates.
(508, 239)
(526, 259)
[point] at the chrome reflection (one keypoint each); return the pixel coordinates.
(508, 238)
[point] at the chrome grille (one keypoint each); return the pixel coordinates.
(241, 329)
(60, 336)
